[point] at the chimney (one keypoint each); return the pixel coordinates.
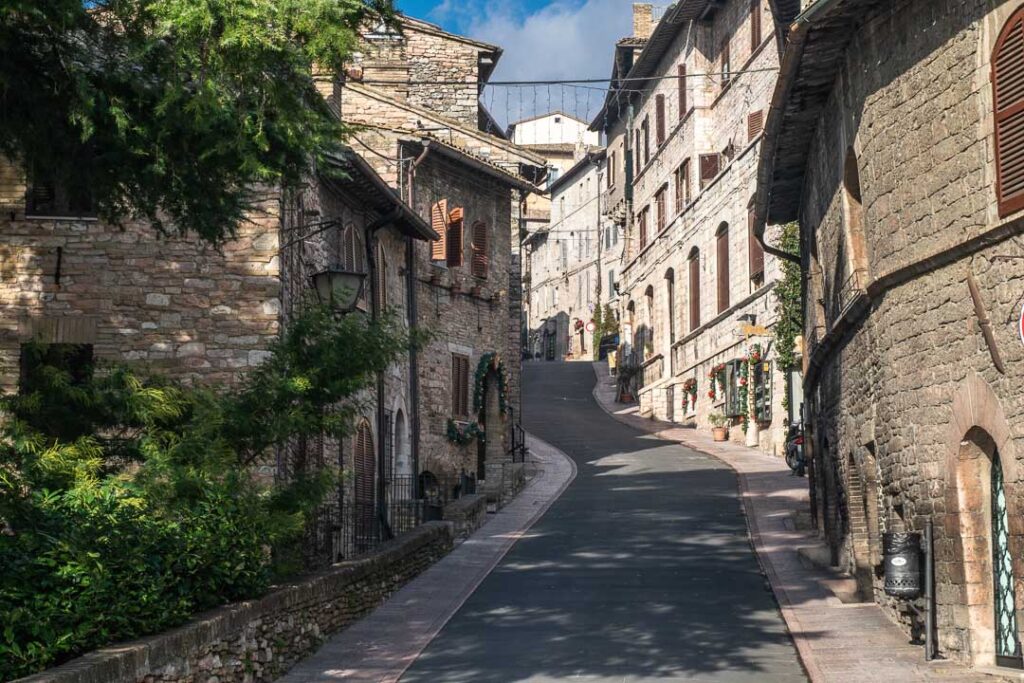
(643, 19)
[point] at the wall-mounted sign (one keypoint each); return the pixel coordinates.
(591, 326)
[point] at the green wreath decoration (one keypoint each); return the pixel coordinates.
(490, 361)
(461, 436)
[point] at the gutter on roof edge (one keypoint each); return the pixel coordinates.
(798, 31)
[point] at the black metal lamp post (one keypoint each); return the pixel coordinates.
(340, 289)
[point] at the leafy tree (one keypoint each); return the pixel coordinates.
(175, 111)
(126, 504)
(789, 304)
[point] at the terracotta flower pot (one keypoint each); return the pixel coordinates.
(720, 433)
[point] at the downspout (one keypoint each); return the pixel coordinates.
(413, 315)
(791, 59)
(375, 299)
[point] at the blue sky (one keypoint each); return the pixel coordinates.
(542, 40)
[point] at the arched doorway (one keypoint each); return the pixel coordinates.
(987, 550)
(490, 450)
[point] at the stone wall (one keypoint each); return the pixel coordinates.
(910, 407)
(461, 320)
(170, 304)
(259, 640)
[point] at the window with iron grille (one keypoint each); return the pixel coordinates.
(50, 198)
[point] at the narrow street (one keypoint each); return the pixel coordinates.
(641, 571)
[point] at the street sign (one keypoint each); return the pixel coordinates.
(591, 326)
(755, 331)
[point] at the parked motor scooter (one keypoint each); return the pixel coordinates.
(795, 449)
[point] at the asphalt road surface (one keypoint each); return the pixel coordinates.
(641, 571)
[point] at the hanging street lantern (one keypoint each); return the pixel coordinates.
(340, 289)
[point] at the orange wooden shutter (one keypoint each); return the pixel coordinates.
(756, 252)
(755, 24)
(439, 222)
(755, 124)
(1008, 85)
(480, 261)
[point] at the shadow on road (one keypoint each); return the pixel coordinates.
(642, 570)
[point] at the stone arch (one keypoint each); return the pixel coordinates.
(853, 221)
(978, 437)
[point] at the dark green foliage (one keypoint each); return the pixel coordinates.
(126, 504)
(172, 108)
(605, 325)
(789, 304)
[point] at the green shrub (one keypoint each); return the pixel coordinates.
(126, 505)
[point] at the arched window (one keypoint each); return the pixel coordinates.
(694, 267)
(649, 314)
(670, 294)
(853, 219)
(722, 245)
(481, 260)
(364, 465)
(1008, 87)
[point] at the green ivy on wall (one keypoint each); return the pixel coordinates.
(490, 361)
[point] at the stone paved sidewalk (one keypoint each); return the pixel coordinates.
(381, 646)
(837, 642)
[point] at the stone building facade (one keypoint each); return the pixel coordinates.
(696, 286)
(173, 306)
(568, 261)
(900, 166)
(437, 147)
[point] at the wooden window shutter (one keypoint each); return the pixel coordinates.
(680, 203)
(439, 222)
(364, 464)
(709, 167)
(681, 69)
(755, 25)
(659, 118)
(755, 124)
(686, 181)
(460, 385)
(480, 258)
(694, 266)
(1008, 85)
(756, 251)
(643, 228)
(722, 242)
(382, 278)
(660, 201)
(454, 239)
(646, 128)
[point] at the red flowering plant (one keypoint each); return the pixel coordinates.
(716, 376)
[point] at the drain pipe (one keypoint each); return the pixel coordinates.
(413, 314)
(929, 593)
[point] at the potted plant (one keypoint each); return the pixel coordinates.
(719, 426)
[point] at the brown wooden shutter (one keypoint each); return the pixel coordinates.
(660, 200)
(755, 249)
(686, 181)
(460, 385)
(755, 124)
(722, 243)
(382, 278)
(709, 167)
(646, 128)
(681, 69)
(694, 266)
(755, 25)
(643, 228)
(479, 242)
(679, 190)
(639, 158)
(659, 118)
(439, 222)
(364, 464)
(1008, 85)
(455, 226)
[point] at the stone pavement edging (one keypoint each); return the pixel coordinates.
(836, 642)
(386, 642)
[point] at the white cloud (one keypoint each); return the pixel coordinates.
(564, 40)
